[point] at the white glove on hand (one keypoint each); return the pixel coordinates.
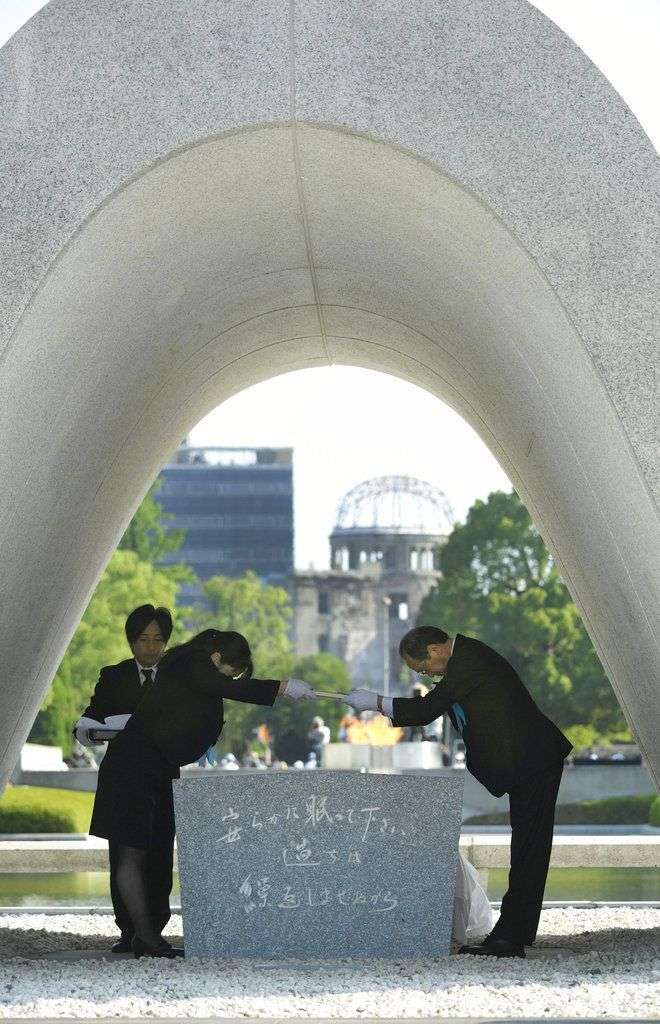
(362, 700)
(296, 689)
(83, 726)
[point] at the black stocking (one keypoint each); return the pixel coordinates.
(132, 884)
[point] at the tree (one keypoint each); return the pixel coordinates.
(100, 640)
(263, 614)
(151, 540)
(131, 578)
(499, 583)
(289, 722)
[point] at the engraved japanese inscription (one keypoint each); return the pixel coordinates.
(317, 864)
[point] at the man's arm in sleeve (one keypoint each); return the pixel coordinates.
(420, 710)
(101, 703)
(464, 675)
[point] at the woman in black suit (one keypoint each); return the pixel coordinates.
(173, 724)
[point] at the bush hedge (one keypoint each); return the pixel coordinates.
(615, 810)
(654, 813)
(41, 809)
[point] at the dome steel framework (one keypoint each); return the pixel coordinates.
(395, 504)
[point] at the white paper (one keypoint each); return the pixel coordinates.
(116, 721)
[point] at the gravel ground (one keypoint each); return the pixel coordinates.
(602, 962)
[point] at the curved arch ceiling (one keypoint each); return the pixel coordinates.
(241, 258)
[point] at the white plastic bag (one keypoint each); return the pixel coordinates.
(473, 914)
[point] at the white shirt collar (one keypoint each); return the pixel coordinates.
(436, 679)
(142, 669)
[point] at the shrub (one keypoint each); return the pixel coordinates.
(35, 819)
(654, 812)
(40, 809)
(615, 810)
(581, 736)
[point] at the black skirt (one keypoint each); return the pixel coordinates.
(134, 784)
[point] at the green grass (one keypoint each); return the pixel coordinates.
(615, 810)
(41, 809)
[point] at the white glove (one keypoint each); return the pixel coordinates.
(362, 700)
(83, 726)
(296, 689)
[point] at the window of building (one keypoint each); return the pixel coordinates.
(426, 560)
(324, 603)
(323, 642)
(399, 607)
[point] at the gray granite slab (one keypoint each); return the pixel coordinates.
(320, 864)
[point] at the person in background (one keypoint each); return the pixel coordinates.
(248, 756)
(118, 692)
(81, 757)
(319, 737)
(173, 725)
(344, 729)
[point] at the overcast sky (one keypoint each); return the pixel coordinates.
(347, 425)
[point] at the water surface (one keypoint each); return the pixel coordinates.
(91, 888)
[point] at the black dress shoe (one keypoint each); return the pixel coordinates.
(123, 945)
(177, 950)
(495, 947)
(162, 949)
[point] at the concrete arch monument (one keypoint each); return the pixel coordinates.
(200, 195)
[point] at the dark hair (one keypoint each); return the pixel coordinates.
(415, 641)
(140, 618)
(234, 648)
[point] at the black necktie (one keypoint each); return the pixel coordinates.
(147, 678)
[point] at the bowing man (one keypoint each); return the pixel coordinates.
(118, 692)
(511, 747)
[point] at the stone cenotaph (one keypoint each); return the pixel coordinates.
(319, 864)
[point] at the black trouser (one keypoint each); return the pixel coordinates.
(160, 858)
(532, 809)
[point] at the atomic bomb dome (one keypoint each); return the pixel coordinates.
(397, 521)
(395, 504)
(384, 560)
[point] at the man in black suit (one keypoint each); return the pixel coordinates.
(511, 747)
(118, 692)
